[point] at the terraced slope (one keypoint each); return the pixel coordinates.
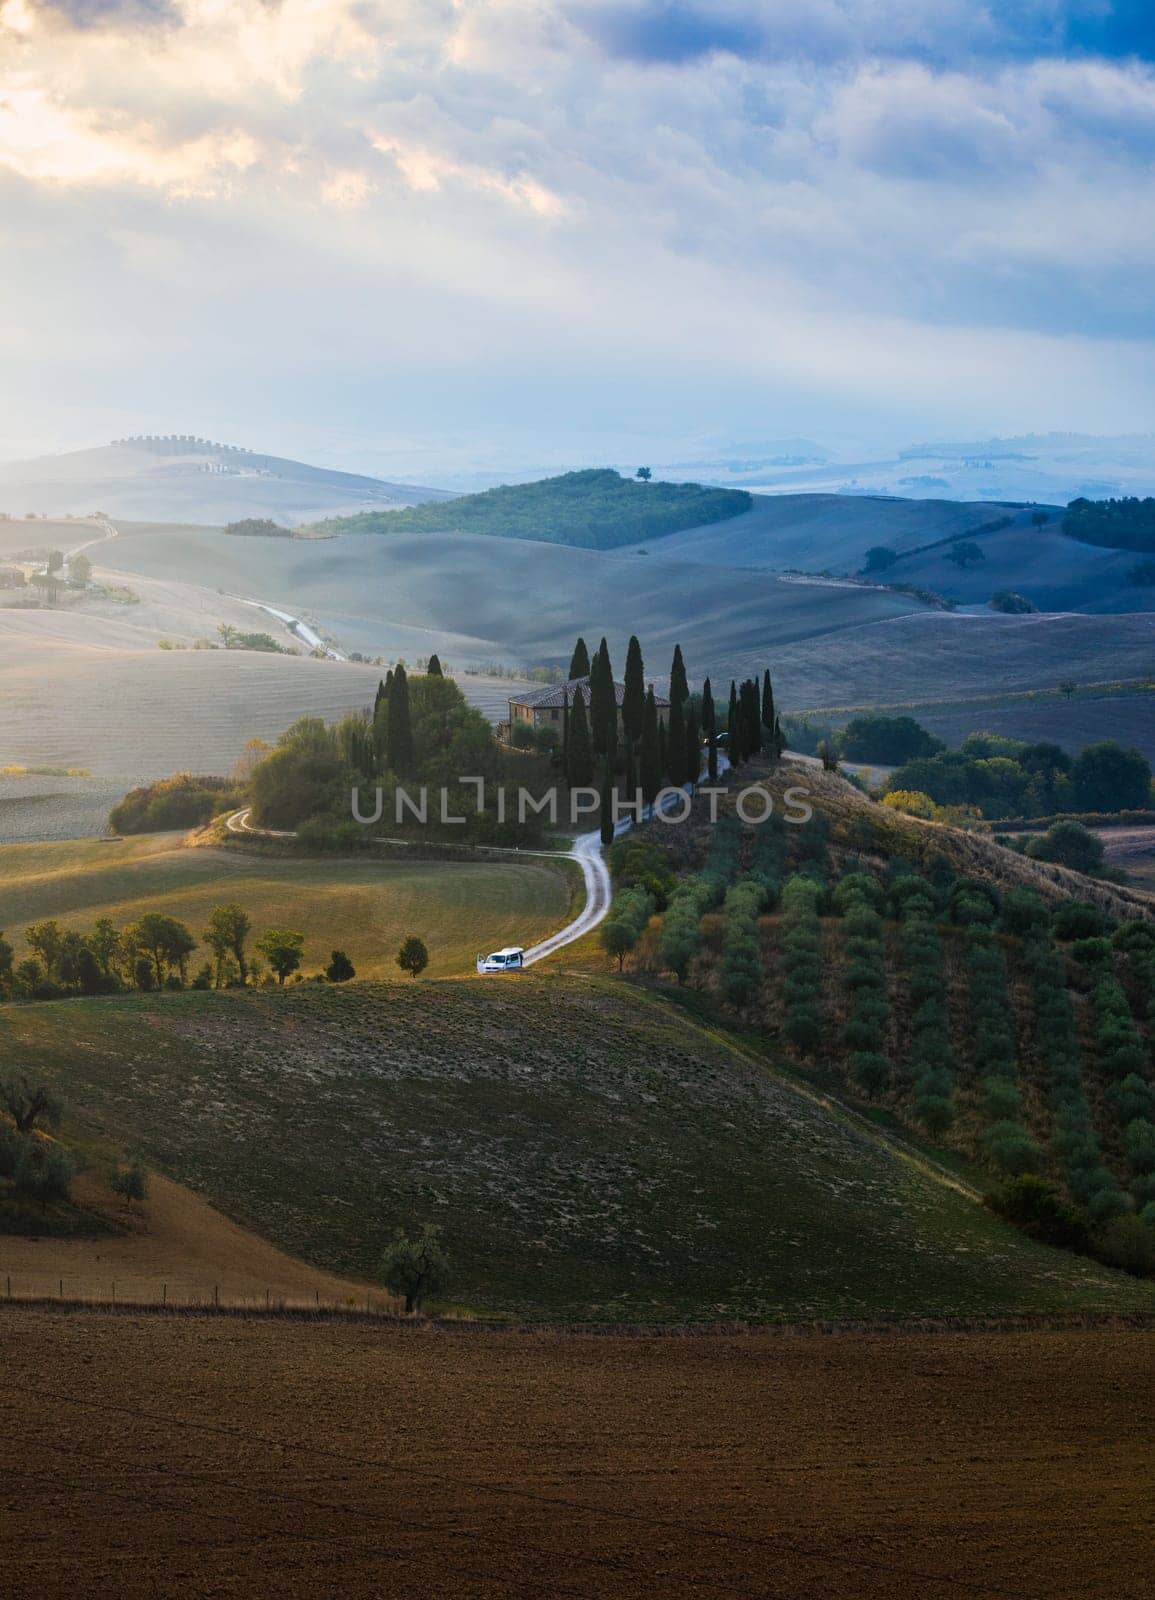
(589, 1151)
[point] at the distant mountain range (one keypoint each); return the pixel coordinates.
(1050, 469)
(180, 478)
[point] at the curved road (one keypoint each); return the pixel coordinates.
(587, 852)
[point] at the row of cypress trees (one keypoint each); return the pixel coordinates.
(656, 753)
(392, 726)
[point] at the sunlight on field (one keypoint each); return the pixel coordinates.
(363, 907)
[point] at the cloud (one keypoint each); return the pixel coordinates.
(804, 203)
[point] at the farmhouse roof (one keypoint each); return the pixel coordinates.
(559, 694)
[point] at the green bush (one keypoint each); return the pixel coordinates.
(871, 1070)
(1078, 919)
(1129, 1244)
(1012, 1149)
(1036, 1207)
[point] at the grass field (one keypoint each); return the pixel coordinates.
(166, 1458)
(590, 1151)
(364, 907)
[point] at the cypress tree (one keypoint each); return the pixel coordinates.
(606, 810)
(650, 761)
(663, 747)
(579, 754)
(750, 711)
(676, 744)
(579, 662)
(679, 688)
(779, 738)
(380, 696)
(399, 734)
(767, 704)
(710, 724)
(734, 728)
(634, 699)
(433, 670)
(693, 758)
(603, 709)
(565, 731)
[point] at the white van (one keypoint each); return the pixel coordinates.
(511, 959)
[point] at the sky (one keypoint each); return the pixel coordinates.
(433, 237)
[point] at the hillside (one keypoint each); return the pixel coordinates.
(596, 509)
(622, 1163)
(828, 532)
(190, 480)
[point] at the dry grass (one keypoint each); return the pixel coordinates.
(363, 906)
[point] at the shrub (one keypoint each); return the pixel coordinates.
(1036, 1207)
(1139, 1143)
(1078, 919)
(1129, 1244)
(871, 1070)
(1012, 1149)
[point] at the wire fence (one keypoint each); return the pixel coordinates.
(176, 1294)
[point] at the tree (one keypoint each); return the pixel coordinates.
(579, 750)
(55, 560)
(768, 709)
(710, 725)
(750, 713)
(693, 747)
(965, 553)
(399, 728)
(1067, 687)
(130, 1183)
(282, 949)
(634, 695)
(225, 936)
(879, 557)
(45, 938)
(30, 1106)
(6, 954)
(676, 744)
(413, 957)
(679, 688)
(1108, 778)
(415, 1266)
(166, 942)
(43, 1173)
(618, 939)
(340, 968)
(650, 760)
(734, 728)
(1039, 519)
(1071, 845)
(644, 474)
(603, 704)
(80, 571)
(606, 807)
(890, 741)
(433, 670)
(579, 662)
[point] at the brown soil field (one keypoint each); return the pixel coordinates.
(176, 1246)
(205, 1456)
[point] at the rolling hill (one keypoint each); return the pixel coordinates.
(596, 509)
(187, 479)
(622, 1163)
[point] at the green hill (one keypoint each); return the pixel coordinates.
(596, 509)
(589, 1151)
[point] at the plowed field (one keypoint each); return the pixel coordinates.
(202, 1457)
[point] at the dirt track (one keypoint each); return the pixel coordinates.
(196, 1457)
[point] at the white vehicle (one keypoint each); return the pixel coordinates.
(511, 959)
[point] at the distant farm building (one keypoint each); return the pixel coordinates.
(545, 708)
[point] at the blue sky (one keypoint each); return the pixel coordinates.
(407, 235)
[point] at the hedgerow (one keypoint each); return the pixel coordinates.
(859, 896)
(930, 1062)
(802, 962)
(1075, 1142)
(1007, 1142)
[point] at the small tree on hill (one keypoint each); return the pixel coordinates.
(80, 571)
(618, 939)
(30, 1106)
(965, 553)
(644, 473)
(679, 687)
(433, 670)
(415, 1266)
(413, 957)
(130, 1183)
(225, 936)
(282, 949)
(340, 968)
